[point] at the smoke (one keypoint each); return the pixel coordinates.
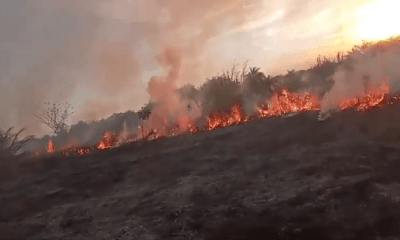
(93, 109)
(51, 49)
(364, 69)
(40, 43)
(170, 107)
(103, 56)
(118, 67)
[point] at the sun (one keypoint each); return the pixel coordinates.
(378, 20)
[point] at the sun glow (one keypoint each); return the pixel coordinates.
(378, 20)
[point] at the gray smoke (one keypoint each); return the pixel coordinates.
(365, 68)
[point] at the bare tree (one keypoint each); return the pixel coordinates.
(9, 142)
(56, 116)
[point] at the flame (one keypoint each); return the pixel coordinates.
(286, 102)
(193, 128)
(37, 152)
(371, 98)
(108, 140)
(215, 120)
(283, 102)
(50, 146)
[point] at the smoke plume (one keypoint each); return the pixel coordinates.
(112, 56)
(50, 50)
(163, 91)
(364, 69)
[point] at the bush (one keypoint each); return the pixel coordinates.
(9, 142)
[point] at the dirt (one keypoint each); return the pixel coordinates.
(278, 178)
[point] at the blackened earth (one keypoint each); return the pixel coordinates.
(276, 178)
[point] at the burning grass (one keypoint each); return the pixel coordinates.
(238, 97)
(280, 103)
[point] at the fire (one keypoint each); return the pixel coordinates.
(193, 128)
(286, 102)
(77, 150)
(215, 120)
(37, 152)
(50, 146)
(371, 98)
(108, 140)
(280, 103)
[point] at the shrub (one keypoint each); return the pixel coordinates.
(9, 142)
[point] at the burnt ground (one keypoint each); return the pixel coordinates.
(278, 178)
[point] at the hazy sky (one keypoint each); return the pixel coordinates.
(99, 54)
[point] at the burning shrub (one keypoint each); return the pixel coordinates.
(362, 80)
(256, 88)
(219, 93)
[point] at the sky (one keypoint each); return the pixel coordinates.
(99, 55)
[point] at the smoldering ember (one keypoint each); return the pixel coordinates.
(304, 154)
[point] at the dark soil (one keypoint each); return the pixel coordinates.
(278, 178)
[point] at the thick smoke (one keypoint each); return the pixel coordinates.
(65, 50)
(51, 49)
(367, 68)
(99, 55)
(170, 106)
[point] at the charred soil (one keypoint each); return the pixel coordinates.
(275, 178)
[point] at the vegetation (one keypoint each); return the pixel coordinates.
(144, 114)
(245, 86)
(9, 142)
(249, 84)
(56, 116)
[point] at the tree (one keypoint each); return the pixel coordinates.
(255, 72)
(257, 84)
(56, 116)
(144, 114)
(9, 142)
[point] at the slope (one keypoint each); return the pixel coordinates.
(274, 178)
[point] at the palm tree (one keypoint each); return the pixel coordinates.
(255, 72)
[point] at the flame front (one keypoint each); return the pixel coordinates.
(215, 120)
(108, 140)
(371, 98)
(280, 103)
(286, 102)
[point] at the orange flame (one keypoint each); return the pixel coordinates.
(50, 146)
(193, 128)
(372, 98)
(108, 140)
(286, 102)
(215, 120)
(280, 103)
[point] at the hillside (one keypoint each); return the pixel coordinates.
(273, 178)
